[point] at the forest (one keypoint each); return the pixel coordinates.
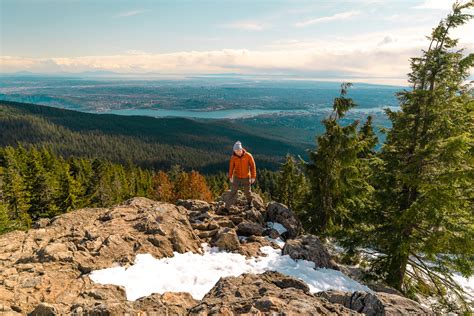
(405, 210)
(148, 142)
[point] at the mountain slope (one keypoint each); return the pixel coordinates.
(147, 141)
(53, 268)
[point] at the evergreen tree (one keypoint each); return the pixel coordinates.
(69, 190)
(40, 184)
(14, 189)
(426, 184)
(218, 183)
(99, 189)
(338, 184)
(5, 224)
(292, 186)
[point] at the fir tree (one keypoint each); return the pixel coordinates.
(426, 185)
(40, 184)
(292, 186)
(69, 190)
(14, 189)
(5, 223)
(339, 186)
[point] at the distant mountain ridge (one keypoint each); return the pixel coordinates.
(146, 141)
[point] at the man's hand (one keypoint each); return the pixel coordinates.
(252, 180)
(231, 180)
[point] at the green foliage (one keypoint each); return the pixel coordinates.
(338, 172)
(36, 183)
(147, 142)
(5, 224)
(292, 185)
(423, 225)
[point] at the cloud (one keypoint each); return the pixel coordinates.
(435, 4)
(308, 62)
(246, 26)
(335, 17)
(379, 56)
(128, 13)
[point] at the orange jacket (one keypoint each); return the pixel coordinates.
(242, 166)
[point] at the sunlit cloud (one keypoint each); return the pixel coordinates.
(435, 4)
(246, 26)
(128, 13)
(376, 56)
(324, 19)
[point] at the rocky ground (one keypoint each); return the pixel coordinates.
(45, 271)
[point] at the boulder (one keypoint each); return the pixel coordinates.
(194, 205)
(241, 201)
(250, 247)
(375, 303)
(271, 232)
(279, 213)
(44, 309)
(226, 239)
(249, 229)
(270, 293)
(309, 247)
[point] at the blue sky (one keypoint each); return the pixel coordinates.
(364, 38)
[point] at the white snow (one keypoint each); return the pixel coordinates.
(198, 273)
(467, 284)
(277, 226)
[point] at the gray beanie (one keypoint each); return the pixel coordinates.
(238, 145)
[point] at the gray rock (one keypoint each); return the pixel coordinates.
(270, 293)
(373, 304)
(249, 229)
(309, 247)
(226, 239)
(194, 205)
(277, 212)
(44, 309)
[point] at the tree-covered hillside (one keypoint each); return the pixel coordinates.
(146, 141)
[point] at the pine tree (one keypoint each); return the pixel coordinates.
(292, 186)
(69, 190)
(99, 189)
(5, 223)
(14, 189)
(40, 184)
(336, 173)
(424, 221)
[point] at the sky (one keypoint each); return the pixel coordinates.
(367, 39)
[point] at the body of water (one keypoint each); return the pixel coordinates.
(218, 114)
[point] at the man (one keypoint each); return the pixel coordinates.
(242, 172)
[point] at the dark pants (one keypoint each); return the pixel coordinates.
(239, 182)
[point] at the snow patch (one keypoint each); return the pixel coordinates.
(467, 284)
(197, 274)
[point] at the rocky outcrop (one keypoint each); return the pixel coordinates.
(270, 293)
(226, 239)
(221, 227)
(375, 303)
(45, 271)
(279, 213)
(309, 247)
(240, 201)
(50, 263)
